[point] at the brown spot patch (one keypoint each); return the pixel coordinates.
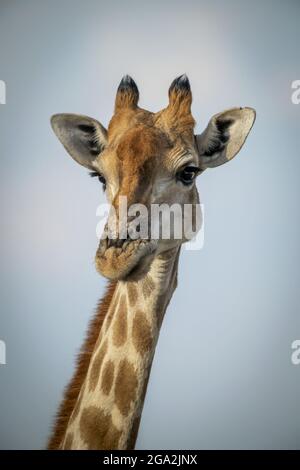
(120, 324)
(141, 333)
(148, 286)
(132, 294)
(125, 387)
(97, 430)
(96, 366)
(68, 442)
(107, 377)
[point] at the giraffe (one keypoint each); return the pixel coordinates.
(149, 158)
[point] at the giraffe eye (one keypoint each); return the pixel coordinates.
(95, 174)
(187, 175)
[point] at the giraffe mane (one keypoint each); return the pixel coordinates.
(72, 390)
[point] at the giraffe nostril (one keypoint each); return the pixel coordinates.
(119, 242)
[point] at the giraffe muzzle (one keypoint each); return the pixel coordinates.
(117, 258)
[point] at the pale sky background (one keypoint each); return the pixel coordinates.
(222, 375)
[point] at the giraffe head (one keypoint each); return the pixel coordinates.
(149, 159)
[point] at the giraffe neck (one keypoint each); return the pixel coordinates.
(108, 409)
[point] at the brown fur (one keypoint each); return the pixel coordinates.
(98, 430)
(127, 97)
(73, 389)
(148, 286)
(120, 324)
(125, 387)
(132, 294)
(137, 154)
(141, 333)
(107, 377)
(136, 424)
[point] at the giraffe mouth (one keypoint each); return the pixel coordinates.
(124, 258)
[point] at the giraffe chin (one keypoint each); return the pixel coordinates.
(130, 261)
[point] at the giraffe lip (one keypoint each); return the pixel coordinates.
(124, 246)
(117, 262)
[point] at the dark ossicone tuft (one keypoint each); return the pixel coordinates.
(128, 84)
(180, 84)
(128, 93)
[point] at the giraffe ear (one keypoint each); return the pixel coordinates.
(84, 138)
(224, 136)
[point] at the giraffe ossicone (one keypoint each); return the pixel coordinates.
(149, 158)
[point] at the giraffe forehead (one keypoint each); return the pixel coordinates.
(140, 147)
(143, 151)
(131, 162)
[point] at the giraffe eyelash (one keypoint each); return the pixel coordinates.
(95, 174)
